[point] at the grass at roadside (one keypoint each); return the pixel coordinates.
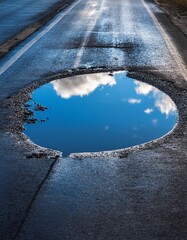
(177, 11)
(174, 2)
(179, 5)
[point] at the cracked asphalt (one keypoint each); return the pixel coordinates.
(138, 194)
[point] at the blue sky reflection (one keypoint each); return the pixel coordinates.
(98, 112)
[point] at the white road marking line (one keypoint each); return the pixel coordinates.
(15, 57)
(87, 36)
(174, 52)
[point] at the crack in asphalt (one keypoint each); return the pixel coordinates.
(33, 199)
(177, 96)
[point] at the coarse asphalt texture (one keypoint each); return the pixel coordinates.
(17, 15)
(20, 19)
(136, 194)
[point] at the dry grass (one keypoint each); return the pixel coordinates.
(180, 3)
(177, 11)
(175, 2)
(177, 6)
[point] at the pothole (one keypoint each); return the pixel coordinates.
(98, 112)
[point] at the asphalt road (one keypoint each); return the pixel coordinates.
(17, 15)
(141, 195)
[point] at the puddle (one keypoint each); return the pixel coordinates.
(98, 112)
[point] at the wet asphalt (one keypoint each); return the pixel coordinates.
(140, 194)
(15, 16)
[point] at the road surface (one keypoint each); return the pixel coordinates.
(17, 15)
(141, 195)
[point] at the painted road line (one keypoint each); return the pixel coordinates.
(87, 36)
(173, 50)
(23, 50)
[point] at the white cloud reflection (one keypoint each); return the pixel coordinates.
(148, 110)
(155, 121)
(81, 85)
(165, 104)
(162, 102)
(143, 88)
(134, 101)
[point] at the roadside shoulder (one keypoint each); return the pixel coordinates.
(33, 27)
(177, 14)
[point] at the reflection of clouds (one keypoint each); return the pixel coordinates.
(148, 110)
(163, 102)
(81, 85)
(155, 121)
(143, 88)
(134, 101)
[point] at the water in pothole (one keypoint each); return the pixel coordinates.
(98, 112)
